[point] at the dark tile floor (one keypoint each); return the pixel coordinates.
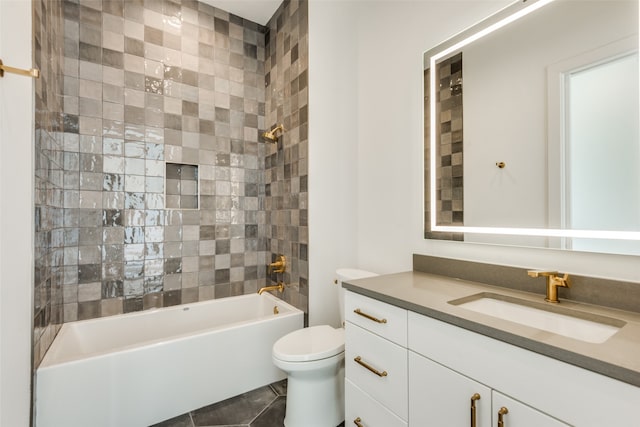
(263, 407)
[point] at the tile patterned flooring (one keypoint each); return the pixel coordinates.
(263, 407)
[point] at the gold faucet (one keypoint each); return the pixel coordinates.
(554, 281)
(279, 266)
(279, 287)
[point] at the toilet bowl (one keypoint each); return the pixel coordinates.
(313, 359)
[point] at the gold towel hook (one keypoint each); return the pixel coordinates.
(31, 72)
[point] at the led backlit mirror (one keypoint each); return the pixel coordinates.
(534, 116)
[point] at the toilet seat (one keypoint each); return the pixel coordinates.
(309, 344)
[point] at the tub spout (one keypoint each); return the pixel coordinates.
(279, 287)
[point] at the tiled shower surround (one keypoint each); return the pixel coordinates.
(155, 83)
(286, 165)
(48, 175)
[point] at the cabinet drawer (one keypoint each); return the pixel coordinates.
(386, 320)
(521, 415)
(369, 413)
(380, 368)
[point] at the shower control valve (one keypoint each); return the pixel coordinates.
(279, 266)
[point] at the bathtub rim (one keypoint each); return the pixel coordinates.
(49, 361)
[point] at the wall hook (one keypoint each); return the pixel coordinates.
(501, 165)
(31, 72)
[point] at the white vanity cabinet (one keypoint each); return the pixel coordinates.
(439, 396)
(538, 391)
(406, 369)
(376, 385)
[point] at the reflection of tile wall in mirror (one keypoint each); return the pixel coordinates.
(449, 148)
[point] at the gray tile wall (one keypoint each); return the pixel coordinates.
(286, 178)
(48, 174)
(149, 82)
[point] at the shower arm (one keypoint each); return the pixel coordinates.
(280, 128)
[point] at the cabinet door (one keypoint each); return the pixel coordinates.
(441, 397)
(520, 415)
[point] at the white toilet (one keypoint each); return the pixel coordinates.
(313, 359)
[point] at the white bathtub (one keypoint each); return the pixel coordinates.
(141, 368)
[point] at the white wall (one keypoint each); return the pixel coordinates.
(332, 153)
(386, 164)
(16, 215)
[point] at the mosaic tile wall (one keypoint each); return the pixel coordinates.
(449, 172)
(148, 82)
(286, 165)
(48, 163)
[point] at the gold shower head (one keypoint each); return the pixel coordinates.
(270, 135)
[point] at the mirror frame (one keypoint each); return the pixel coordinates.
(503, 17)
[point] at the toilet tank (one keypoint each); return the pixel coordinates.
(344, 275)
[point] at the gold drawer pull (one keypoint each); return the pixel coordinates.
(475, 397)
(501, 413)
(359, 361)
(358, 422)
(368, 316)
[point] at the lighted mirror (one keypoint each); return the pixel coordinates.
(534, 115)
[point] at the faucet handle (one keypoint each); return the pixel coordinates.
(279, 266)
(538, 273)
(563, 281)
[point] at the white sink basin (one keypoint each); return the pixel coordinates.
(568, 323)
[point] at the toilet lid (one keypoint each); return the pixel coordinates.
(314, 343)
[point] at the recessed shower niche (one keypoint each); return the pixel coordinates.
(181, 186)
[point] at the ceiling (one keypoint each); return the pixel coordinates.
(259, 11)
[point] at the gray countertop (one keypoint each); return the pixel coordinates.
(429, 294)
